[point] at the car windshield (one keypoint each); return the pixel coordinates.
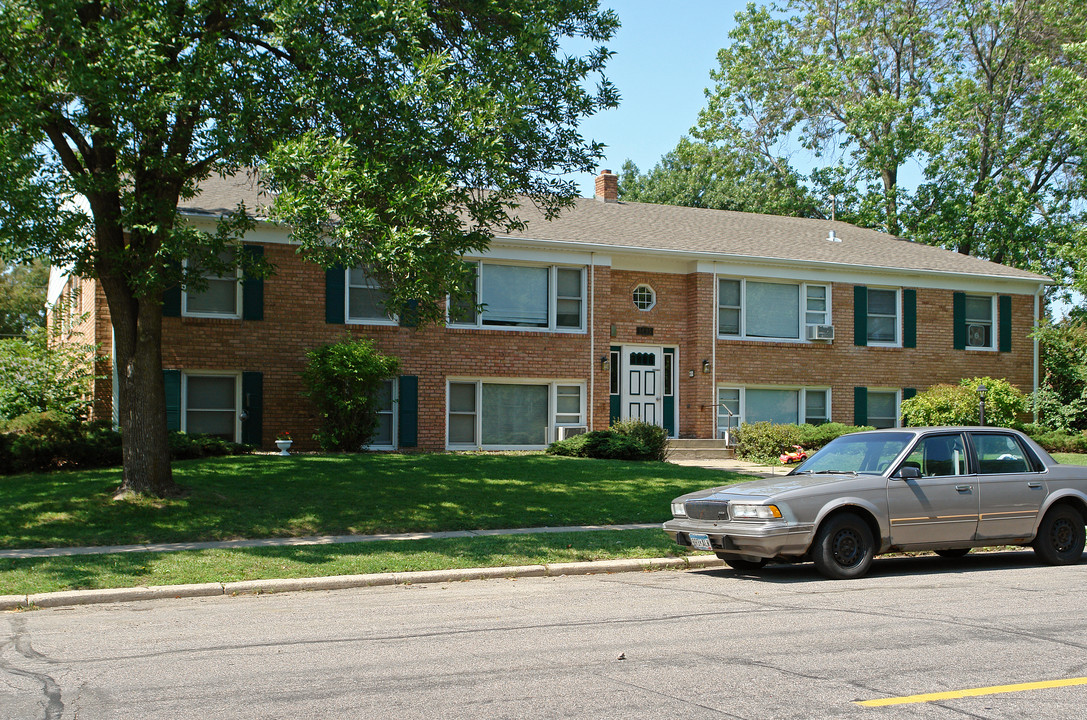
(865, 454)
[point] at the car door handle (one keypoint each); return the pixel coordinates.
(1034, 484)
(963, 488)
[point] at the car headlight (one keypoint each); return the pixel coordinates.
(678, 510)
(755, 512)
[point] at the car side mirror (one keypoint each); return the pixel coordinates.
(907, 472)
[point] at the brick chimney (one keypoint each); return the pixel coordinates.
(607, 187)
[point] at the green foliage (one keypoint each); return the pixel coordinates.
(696, 174)
(48, 441)
(652, 437)
(1057, 441)
(342, 380)
(765, 442)
(1061, 398)
(625, 440)
(36, 377)
(22, 297)
(959, 404)
(599, 444)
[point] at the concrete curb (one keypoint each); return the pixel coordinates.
(343, 582)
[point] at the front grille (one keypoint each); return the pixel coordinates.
(707, 510)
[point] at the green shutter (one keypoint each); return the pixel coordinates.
(171, 296)
(1004, 310)
(909, 318)
(908, 393)
(860, 315)
(253, 288)
(253, 405)
(669, 404)
(409, 316)
(958, 317)
(171, 381)
(335, 291)
(860, 406)
(614, 401)
(408, 412)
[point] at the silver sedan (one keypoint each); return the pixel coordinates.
(946, 489)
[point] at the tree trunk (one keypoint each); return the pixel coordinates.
(137, 332)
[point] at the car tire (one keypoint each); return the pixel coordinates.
(1061, 536)
(953, 553)
(738, 562)
(843, 547)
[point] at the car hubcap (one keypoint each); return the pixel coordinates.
(848, 548)
(1061, 536)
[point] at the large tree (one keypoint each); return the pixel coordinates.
(395, 133)
(697, 174)
(979, 94)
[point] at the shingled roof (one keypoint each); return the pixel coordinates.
(684, 231)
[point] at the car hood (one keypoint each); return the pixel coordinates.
(774, 486)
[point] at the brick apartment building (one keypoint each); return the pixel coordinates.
(694, 319)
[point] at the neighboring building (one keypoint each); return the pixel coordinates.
(694, 319)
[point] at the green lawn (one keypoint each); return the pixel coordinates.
(147, 569)
(270, 496)
(1070, 458)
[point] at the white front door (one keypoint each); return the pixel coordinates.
(643, 384)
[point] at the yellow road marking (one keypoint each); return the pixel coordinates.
(974, 692)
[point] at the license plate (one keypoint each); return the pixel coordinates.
(700, 542)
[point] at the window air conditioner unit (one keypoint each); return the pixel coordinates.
(820, 332)
(975, 336)
(567, 431)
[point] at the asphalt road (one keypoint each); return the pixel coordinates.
(696, 644)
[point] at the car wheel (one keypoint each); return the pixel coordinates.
(952, 553)
(738, 562)
(843, 547)
(1060, 536)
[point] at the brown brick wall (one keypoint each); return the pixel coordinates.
(683, 317)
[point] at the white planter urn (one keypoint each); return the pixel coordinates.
(284, 446)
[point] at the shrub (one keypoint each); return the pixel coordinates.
(39, 442)
(600, 444)
(958, 404)
(653, 437)
(765, 442)
(1057, 440)
(342, 380)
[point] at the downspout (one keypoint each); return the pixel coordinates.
(713, 355)
(1037, 351)
(592, 338)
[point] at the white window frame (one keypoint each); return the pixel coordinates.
(993, 325)
(186, 374)
(395, 395)
(552, 299)
(802, 302)
(802, 401)
(348, 319)
(185, 312)
(652, 297)
(898, 404)
(552, 395)
(897, 323)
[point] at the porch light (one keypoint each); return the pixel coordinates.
(705, 366)
(604, 362)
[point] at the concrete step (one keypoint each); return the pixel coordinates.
(699, 449)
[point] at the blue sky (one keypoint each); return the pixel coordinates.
(663, 56)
